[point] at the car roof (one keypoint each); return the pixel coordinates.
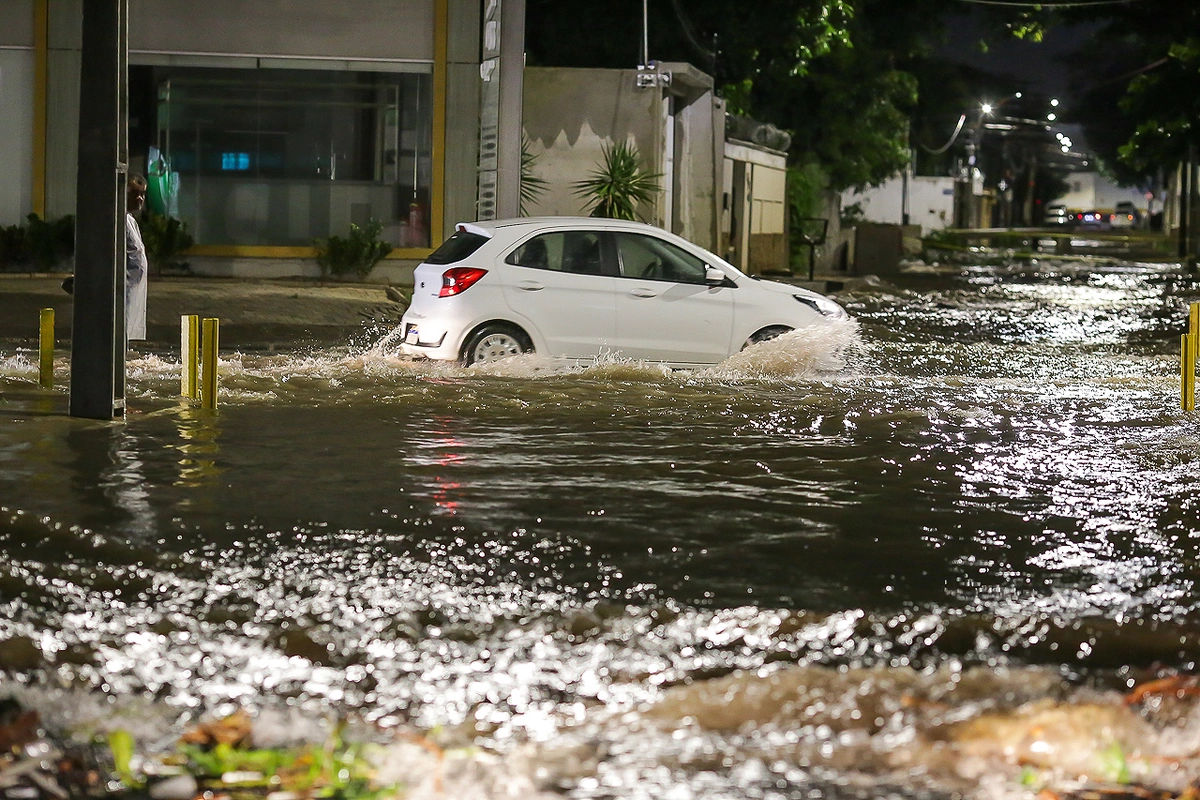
(489, 227)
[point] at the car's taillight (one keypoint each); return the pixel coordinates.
(457, 280)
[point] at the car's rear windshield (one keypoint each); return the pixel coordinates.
(456, 248)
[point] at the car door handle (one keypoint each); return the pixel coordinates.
(530, 286)
(640, 292)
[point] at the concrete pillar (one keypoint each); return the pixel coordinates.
(98, 330)
(512, 69)
(502, 73)
(462, 113)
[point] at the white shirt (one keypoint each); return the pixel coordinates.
(136, 268)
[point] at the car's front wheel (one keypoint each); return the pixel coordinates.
(766, 335)
(495, 341)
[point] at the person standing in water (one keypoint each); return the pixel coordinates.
(136, 265)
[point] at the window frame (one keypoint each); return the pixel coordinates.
(672, 246)
(608, 257)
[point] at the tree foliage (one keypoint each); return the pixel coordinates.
(830, 71)
(1140, 85)
(1165, 103)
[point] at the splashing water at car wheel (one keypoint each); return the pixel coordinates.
(766, 335)
(494, 342)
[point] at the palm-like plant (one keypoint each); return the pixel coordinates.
(532, 186)
(619, 184)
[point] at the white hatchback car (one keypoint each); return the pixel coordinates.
(579, 287)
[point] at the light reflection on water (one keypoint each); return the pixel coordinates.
(982, 483)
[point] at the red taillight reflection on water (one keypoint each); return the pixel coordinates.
(457, 280)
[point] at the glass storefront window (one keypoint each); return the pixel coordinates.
(281, 156)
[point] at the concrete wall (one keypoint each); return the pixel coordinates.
(571, 114)
(62, 104)
(880, 247)
(699, 143)
(362, 29)
(16, 24)
(16, 110)
(930, 202)
(754, 208)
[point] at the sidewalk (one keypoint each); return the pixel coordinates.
(253, 313)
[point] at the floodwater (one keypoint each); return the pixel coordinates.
(922, 554)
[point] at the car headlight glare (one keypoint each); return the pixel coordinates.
(822, 305)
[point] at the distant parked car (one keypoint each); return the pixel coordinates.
(1094, 220)
(1126, 215)
(1059, 215)
(579, 287)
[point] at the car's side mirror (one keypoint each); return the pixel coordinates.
(713, 276)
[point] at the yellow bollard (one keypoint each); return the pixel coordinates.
(46, 349)
(1187, 379)
(189, 354)
(1189, 348)
(208, 365)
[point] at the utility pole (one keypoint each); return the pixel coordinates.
(98, 324)
(1186, 190)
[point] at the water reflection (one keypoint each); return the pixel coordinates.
(199, 430)
(443, 452)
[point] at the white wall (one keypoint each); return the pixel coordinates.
(930, 202)
(16, 131)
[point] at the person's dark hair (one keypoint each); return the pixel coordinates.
(137, 180)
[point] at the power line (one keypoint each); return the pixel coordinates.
(1051, 4)
(688, 31)
(953, 138)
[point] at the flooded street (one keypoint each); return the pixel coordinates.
(925, 553)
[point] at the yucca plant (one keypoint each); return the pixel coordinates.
(615, 189)
(532, 186)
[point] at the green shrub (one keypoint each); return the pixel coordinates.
(14, 246)
(37, 244)
(806, 185)
(165, 239)
(356, 254)
(50, 242)
(852, 215)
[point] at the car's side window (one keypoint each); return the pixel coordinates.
(650, 258)
(561, 251)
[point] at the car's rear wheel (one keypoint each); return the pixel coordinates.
(495, 341)
(766, 334)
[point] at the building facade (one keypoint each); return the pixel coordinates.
(261, 125)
